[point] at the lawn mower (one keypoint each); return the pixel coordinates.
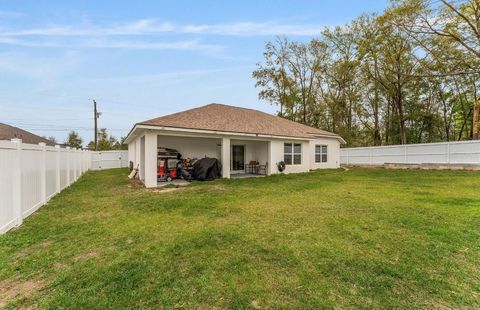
(170, 166)
(167, 171)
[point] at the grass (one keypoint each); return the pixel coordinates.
(327, 239)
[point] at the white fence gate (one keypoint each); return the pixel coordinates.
(32, 174)
(109, 159)
(461, 152)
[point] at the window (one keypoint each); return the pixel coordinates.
(321, 153)
(292, 154)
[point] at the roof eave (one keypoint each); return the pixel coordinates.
(207, 131)
(131, 135)
(340, 139)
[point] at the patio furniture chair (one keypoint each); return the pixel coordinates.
(251, 167)
(262, 169)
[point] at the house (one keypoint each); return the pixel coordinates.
(8, 132)
(236, 136)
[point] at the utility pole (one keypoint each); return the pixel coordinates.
(95, 117)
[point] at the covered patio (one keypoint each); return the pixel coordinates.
(240, 158)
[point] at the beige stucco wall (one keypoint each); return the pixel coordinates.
(333, 158)
(277, 155)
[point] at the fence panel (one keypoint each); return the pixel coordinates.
(63, 168)
(31, 175)
(8, 153)
(461, 152)
(31, 178)
(51, 172)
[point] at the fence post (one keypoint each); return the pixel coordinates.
(448, 152)
(406, 156)
(84, 161)
(85, 155)
(74, 164)
(43, 173)
(57, 169)
(89, 160)
(67, 155)
(17, 182)
(81, 162)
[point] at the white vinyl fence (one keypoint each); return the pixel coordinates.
(32, 174)
(109, 159)
(461, 152)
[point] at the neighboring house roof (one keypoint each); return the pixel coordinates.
(8, 132)
(225, 118)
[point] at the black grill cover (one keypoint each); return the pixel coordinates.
(207, 169)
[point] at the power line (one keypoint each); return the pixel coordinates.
(70, 129)
(46, 119)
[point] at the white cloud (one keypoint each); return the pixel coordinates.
(139, 27)
(152, 26)
(254, 29)
(195, 45)
(26, 43)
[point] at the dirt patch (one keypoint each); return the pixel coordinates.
(15, 289)
(86, 256)
(167, 190)
(59, 266)
(255, 304)
(129, 241)
(136, 183)
(218, 187)
(30, 249)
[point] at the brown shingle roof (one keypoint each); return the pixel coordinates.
(220, 117)
(8, 132)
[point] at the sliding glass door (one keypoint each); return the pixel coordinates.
(238, 158)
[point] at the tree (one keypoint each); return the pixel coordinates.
(74, 140)
(454, 22)
(51, 138)
(408, 75)
(106, 142)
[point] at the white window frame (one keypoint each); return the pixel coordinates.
(321, 153)
(292, 154)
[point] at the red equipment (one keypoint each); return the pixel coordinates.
(167, 167)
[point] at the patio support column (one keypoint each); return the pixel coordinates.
(138, 145)
(270, 159)
(150, 159)
(226, 158)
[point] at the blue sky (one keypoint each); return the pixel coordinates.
(142, 59)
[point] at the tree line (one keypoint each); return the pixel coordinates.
(408, 75)
(105, 141)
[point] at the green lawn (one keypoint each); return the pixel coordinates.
(356, 239)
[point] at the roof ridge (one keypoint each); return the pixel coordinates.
(270, 115)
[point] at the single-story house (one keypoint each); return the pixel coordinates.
(236, 136)
(8, 132)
